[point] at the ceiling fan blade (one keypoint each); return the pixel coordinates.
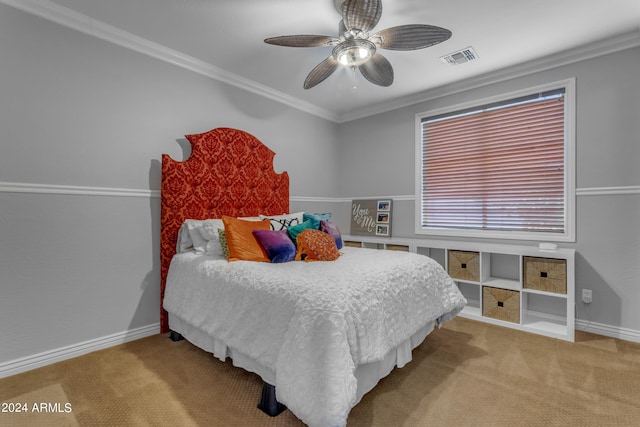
(410, 37)
(361, 14)
(341, 27)
(378, 70)
(321, 72)
(303, 41)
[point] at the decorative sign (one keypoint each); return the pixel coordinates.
(371, 217)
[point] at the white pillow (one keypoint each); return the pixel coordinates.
(282, 222)
(184, 243)
(250, 218)
(209, 229)
(204, 235)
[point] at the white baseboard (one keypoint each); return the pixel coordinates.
(64, 353)
(57, 355)
(608, 331)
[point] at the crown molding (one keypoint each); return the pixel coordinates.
(69, 18)
(85, 24)
(582, 53)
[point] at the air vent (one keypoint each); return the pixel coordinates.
(460, 57)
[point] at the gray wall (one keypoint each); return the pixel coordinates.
(85, 123)
(376, 158)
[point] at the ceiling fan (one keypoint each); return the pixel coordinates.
(355, 48)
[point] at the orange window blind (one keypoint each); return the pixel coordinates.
(496, 167)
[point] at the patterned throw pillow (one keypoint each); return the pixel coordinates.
(282, 222)
(223, 243)
(316, 245)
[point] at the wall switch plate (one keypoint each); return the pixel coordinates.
(587, 296)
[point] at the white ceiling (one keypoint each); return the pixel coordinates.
(228, 35)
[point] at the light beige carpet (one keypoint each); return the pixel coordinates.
(466, 374)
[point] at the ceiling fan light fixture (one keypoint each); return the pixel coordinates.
(355, 48)
(354, 52)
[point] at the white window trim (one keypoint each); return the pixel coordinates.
(569, 178)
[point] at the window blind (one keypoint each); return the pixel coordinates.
(496, 167)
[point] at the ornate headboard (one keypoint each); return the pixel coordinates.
(229, 172)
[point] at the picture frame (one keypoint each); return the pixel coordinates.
(384, 205)
(383, 217)
(371, 217)
(382, 230)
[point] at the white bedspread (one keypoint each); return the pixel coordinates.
(313, 323)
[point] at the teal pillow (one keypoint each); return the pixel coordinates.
(316, 218)
(294, 230)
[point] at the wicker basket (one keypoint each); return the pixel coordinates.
(402, 248)
(501, 304)
(464, 265)
(352, 244)
(545, 274)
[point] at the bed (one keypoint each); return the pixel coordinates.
(319, 334)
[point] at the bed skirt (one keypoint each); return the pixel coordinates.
(367, 374)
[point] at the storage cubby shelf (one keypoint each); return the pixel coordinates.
(534, 291)
(502, 283)
(538, 286)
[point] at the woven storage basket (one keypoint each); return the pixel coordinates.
(464, 265)
(352, 244)
(545, 274)
(501, 304)
(401, 248)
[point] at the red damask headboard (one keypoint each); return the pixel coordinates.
(229, 172)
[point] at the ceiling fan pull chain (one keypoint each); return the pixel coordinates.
(355, 82)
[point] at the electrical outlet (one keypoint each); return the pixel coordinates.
(587, 296)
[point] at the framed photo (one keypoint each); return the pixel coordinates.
(383, 217)
(384, 205)
(382, 230)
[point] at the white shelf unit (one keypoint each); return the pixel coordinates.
(501, 267)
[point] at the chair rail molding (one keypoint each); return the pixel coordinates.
(77, 190)
(38, 188)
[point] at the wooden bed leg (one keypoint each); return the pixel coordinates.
(175, 336)
(268, 403)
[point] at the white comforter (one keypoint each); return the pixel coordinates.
(313, 323)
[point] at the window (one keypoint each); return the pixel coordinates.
(501, 167)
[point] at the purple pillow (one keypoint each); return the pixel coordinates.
(331, 229)
(277, 244)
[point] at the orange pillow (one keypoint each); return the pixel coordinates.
(240, 240)
(316, 245)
